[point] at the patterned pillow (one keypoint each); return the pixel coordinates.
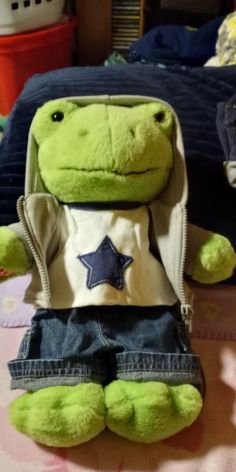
(226, 42)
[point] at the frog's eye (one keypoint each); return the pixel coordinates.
(159, 117)
(57, 116)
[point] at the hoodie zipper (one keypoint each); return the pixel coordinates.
(39, 262)
(186, 309)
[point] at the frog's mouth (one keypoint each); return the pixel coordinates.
(111, 172)
(70, 184)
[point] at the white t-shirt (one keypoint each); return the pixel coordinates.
(106, 260)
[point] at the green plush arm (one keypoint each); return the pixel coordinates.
(14, 259)
(215, 260)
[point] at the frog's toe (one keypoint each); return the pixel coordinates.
(150, 411)
(60, 416)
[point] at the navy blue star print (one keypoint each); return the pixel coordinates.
(105, 265)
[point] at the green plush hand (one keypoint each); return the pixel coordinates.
(215, 261)
(13, 256)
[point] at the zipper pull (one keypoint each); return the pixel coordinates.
(187, 315)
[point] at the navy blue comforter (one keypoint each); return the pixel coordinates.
(194, 93)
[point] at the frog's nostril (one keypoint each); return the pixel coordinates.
(82, 132)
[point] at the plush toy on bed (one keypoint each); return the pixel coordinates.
(103, 229)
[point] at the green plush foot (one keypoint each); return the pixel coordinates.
(150, 411)
(60, 416)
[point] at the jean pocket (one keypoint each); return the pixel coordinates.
(25, 344)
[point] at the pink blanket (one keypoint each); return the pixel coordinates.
(209, 445)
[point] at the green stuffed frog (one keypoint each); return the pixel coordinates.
(103, 230)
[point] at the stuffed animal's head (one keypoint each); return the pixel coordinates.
(104, 153)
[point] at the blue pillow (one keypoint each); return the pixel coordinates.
(170, 44)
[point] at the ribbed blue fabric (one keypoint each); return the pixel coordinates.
(194, 93)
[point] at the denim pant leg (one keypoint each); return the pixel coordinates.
(150, 344)
(62, 347)
(99, 344)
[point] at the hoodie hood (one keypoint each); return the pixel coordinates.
(167, 211)
(176, 190)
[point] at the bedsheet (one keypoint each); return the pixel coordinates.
(208, 445)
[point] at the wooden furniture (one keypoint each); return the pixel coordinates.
(94, 30)
(194, 12)
(209, 7)
(101, 27)
(128, 23)
(112, 25)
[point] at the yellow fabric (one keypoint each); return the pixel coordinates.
(226, 41)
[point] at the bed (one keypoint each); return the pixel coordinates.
(194, 93)
(210, 443)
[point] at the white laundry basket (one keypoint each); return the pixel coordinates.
(17, 16)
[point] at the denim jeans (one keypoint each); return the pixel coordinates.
(103, 343)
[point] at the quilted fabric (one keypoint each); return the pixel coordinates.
(194, 93)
